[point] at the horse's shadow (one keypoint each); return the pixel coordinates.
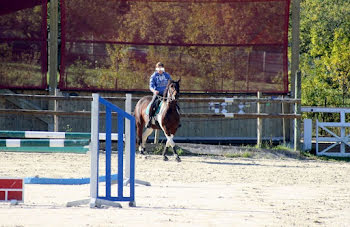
(249, 164)
(230, 163)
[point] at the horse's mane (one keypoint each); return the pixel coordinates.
(165, 93)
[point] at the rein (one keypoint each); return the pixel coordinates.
(169, 100)
(166, 98)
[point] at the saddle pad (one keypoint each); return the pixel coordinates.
(157, 111)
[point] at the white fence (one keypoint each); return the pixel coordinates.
(334, 139)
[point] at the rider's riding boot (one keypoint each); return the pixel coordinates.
(151, 113)
(149, 123)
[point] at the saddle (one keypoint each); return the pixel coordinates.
(157, 105)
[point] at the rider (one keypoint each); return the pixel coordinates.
(157, 84)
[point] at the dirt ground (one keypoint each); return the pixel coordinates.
(205, 190)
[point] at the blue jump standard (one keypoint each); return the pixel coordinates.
(65, 181)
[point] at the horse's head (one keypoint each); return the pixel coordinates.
(172, 90)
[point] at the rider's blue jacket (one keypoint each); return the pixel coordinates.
(159, 81)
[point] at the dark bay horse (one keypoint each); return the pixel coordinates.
(168, 118)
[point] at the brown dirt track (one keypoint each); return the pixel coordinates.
(269, 189)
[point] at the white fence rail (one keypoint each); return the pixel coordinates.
(335, 139)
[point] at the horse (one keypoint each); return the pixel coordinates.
(168, 118)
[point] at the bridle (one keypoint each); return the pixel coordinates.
(170, 96)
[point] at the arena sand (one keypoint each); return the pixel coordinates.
(199, 191)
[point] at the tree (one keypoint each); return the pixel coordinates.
(185, 35)
(324, 57)
(22, 45)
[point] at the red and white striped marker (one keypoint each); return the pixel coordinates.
(11, 189)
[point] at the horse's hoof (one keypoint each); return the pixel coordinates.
(165, 158)
(141, 155)
(178, 159)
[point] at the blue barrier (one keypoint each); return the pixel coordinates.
(64, 181)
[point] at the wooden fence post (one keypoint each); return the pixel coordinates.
(53, 61)
(297, 110)
(295, 42)
(259, 123)
(284, 130)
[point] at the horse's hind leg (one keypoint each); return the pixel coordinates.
(176, 154)
(145, 135)
(139, 136)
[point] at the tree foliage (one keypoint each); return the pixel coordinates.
(212, 46)
(325, 52)
(23, 45)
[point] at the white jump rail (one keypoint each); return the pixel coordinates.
(342, 139)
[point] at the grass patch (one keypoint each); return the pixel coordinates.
(158, 150)
(245, 154)
(279, 147)
(269, 146)
(324, 158)
(282, 147)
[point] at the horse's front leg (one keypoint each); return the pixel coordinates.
(165, 158)
(176, 154)
(145, 135)
(170, 143)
